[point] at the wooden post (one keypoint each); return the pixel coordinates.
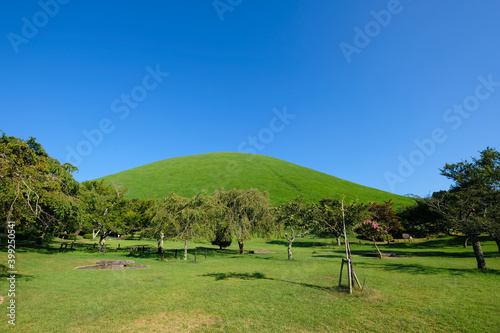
(195, 255)
(349, 275)
(72, 245)
(163, 255)
(118, 245)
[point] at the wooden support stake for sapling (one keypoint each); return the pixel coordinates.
(341, 269)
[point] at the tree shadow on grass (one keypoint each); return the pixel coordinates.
(422, 269)
(35, 248)
(301, 243)
(261, 276)
(5, 275)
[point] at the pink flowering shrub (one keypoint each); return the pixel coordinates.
(371, 230)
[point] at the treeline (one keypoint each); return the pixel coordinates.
(40, 195)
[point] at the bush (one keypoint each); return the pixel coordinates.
(88, 236)
(72, 236)
(30, 234)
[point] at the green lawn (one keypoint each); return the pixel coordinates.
(430, 287)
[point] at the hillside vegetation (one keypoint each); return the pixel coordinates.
(187, 175)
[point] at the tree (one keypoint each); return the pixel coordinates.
(105, 206)
(373, 231)
(296, 217)
(385, 215)
(471, 204)
(163, 212)
(36, 190)
(330, 216)
(421, 220)
(190, 218)
(246, 212)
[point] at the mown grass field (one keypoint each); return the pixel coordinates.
(430, 287)
(283, 180)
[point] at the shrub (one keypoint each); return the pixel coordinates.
(88, 236)
(30, 234)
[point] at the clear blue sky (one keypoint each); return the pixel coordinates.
(381, 93)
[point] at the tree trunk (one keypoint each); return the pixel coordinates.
(102, 240)
(497, 240)
(378, 250)
(160, 243)
(185, 249)
(290, 257)
(465, 242)
(478, 252)
(240, 244)
(338, 241)
(39, 240)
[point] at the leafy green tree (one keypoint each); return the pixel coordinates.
(246, 212)
(163, 212)
(190, 218)
(331, 213)
(105, 207)
(296, 217)
(471, 204)
(421, 220)
(36, 190)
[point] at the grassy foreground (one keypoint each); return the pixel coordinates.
(430, 287)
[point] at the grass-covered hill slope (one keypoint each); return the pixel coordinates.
(187, 175)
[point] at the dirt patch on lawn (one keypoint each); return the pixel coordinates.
(170, 322)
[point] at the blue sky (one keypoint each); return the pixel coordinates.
(381, 93)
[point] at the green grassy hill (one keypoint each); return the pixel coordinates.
(187, 175)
